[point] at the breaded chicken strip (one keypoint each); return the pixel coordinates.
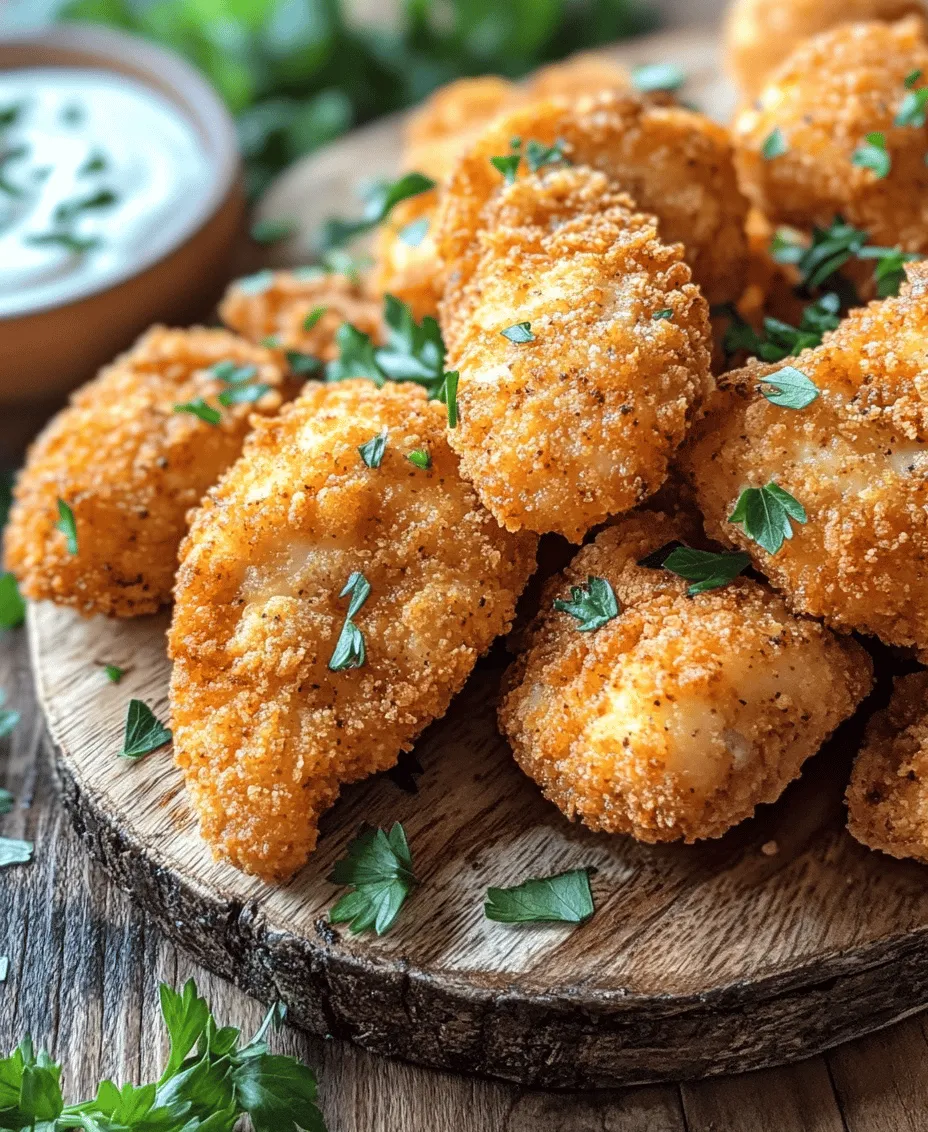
(674, 163)
(563, 430)
(284, 306)
(759, 34)
(265, 731)
(678, 716)
(888, 794)
(856, 460)
(130, 466)
(825, 99)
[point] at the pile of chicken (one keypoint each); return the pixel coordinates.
(341, 552)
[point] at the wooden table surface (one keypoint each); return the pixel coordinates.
(85, 964)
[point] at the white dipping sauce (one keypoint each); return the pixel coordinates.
(96, 172)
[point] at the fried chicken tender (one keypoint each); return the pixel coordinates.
(856, 459)
(674, 163)
(276, 304)
(678, 717)
(825, 99)
(579, 423)
(265, 732)
(888, 794)
(760, 34)
(130, 467)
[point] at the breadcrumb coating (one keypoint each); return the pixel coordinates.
(830, 93)
(679, 716)
(856, 459)
(888, 794)
(558, 433)
(760, 34)
(264, 731)
(130, 468)
(674, 163)
(279, 310)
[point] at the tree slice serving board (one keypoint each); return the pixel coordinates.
(774, 942)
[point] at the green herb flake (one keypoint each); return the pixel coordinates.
(10, 113)
(6, 801)
(68, 241)
(562, 898)
(537, 156)
(355, 356)
(666, 313)
(519, 333)
(67, 525)
(593, 605)
(911, 79)
(69, 210)
(911, 110)
(272, 341)
(350, 651)
(311, 319)
(270, 231)
(14, 852)
(415, 232)
(378, 867)
(379, 202)
(199, 408)
(707, 570)
(413, 351)
(243, 394)
(73, 114)
(12, 606)
(508, 166)
(96, 163)
(774, 145)
(232, 373)
(765, 514)
(420, 458)
(144, 732)
(652, 77)
(113, 673)
(448, 395)
(304, 365)
(873, 155)
(372, 451)
(790, 388)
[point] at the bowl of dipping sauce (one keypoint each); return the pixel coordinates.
(121, 201)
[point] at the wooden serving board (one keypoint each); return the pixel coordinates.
(774, 942)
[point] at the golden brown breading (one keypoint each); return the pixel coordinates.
(130, 468)
(825, 99)
(265, 732)
(888, 794)
(558, 433)
(759, 34)
(277, 308)
(856, 459)
(406, 264)
(587, 72)
(679, 716)
(674, 163)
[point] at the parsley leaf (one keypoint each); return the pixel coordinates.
(790, 388)
(564, 898)
(448, 395)
(355, 356)
(232, 373)
(15, 852)
(313, 317)
(113, 673)
(67, 525)
(76, 245)
(508, 166)
(774, 145)
(69, 210)
(420, 458)
(144, 733)
(379, 868)
(305, 365)
(655, 560)
(519, 333)
(538, 155)
(378, 204)
(912, 108)
(873, 155)
(278, 1093)
(593, 605)
(705, 569)
(12, 606)
(269, 231)
(413, 351)
(653, 77)
(765, 514)
(199, 408)
(243, 394)
(350, 651)
(372, 451)
(666, 313)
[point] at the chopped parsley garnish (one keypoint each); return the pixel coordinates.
(69, 210)
(256, 284)
(14, 852)
(562, 898)
(309, 322)
(774, 145)
(765, 514)
(378, 867)
(378, 204)
(232, 373)
(67, 526)
(76, 245)
(95, 163)
(72, 114)
(508, 164)
(372, 451)
(415, 232)
(13, 154)
(349, 649)
(420, 458)
(448, 395)
(593, 605)
(304, 365)
(872, 154)
(790, 388)
(653, 77)
(355, 356)
(243, 394)
(199, 408)
(6, 801)
(706, 569)
(538, 155)
(113, 673)
(413, 351)
(144, 732)
(272, 341)
(8, 719)
(270, 231)
(12, 606)
(519, 333)
(911, 110)
(666, 313)
(9, 114)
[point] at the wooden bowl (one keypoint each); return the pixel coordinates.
(177, 279)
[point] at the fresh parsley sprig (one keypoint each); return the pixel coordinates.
(562, 898)
(706, 569)
(765, 513)
(144, 732)
(378, 867)
(593, 605)
(872, 154)
(350, 651)
(379, 202)
(789, 388)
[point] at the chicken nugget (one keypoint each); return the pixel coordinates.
(583, 354)
(888, 794)
(852, 454)
(333, 596)
(760, 34)
(852, 135)
(133, 451)
(674, 163)
(670, 716)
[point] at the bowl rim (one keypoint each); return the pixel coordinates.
(193, 97)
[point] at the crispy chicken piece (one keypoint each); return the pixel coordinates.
(856, 459)
(280, 305)
(888, 794)
(579, 423)
(760, 34)
(130, 467)
(674, 163)
(265, 731)
(825, 99)
(679, 716)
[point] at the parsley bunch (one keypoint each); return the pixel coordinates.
(210, 1082)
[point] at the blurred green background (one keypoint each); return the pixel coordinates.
(297, 73)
